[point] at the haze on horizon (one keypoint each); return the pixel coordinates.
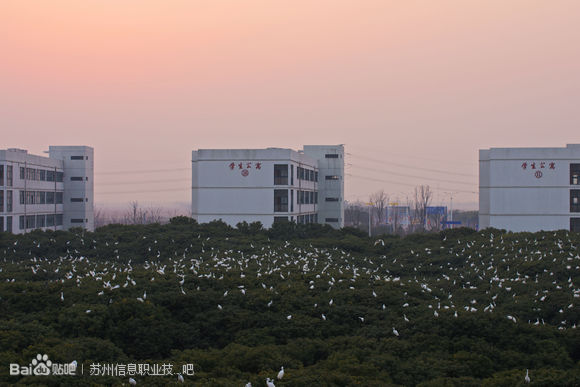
(412, 88)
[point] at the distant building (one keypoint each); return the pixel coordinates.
(49, 193)
(530, 189)
(269, 185)
(398, 216)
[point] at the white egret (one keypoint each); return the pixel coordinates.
(180, 378)
(281, 373)
(132, 382)
(527, 378)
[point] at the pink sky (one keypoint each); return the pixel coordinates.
(421, 84)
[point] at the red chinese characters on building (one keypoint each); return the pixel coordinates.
(535, 165)
(244, 166)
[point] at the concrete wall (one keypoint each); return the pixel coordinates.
(83, 168)
(329, 188)
(17, 158)
(526, 189)
(59, 161)
(237, 185)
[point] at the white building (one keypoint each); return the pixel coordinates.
(269, 185)
(49, 193)
(530, 189)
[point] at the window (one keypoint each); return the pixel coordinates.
(332, 177)
(291, 200)
(49, 220)
(574, 174)
(9, 223)
(76, 178)
(291, 174)
(30, 174)
(575, 224)
(311, 175)
(22, 173)
(60, 177)
(40, 221)
(77, 158)
(21, 222)
(29, 197)
(315, 197)
(58, 219)
(1, 200)
(280, 200)
(77, 220)
(50, 198)
(9, 201)
(41, 197)
(22, 197)
(280, 219)
(280, 174)
(575, 200)
(9, 176)
(30, 221)
(331, 199)
(77, 200)
(42, 174)
(1, 224)
(331, 156)
(331, 220)
(58, 197)
(315, 176)
(50, 176)
(1, 174)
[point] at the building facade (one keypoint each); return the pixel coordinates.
(530, 189)
(49, 193)
(269, 185)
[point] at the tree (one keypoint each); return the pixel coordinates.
(423, 195)
(379, 202)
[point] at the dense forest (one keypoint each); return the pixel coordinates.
(333, 307)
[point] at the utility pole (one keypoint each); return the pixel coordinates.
(451, 205)
(370, 208)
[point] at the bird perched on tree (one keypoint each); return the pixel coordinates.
(132, 382)
(269, 383)
(281, 373)
(180, 378)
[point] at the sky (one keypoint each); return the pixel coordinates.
(413, 89)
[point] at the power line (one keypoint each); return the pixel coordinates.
(144, 171)
(406, 166)
(144, 182)
(403, 155)
(143, 191)
(405, 184)
(415, 176)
